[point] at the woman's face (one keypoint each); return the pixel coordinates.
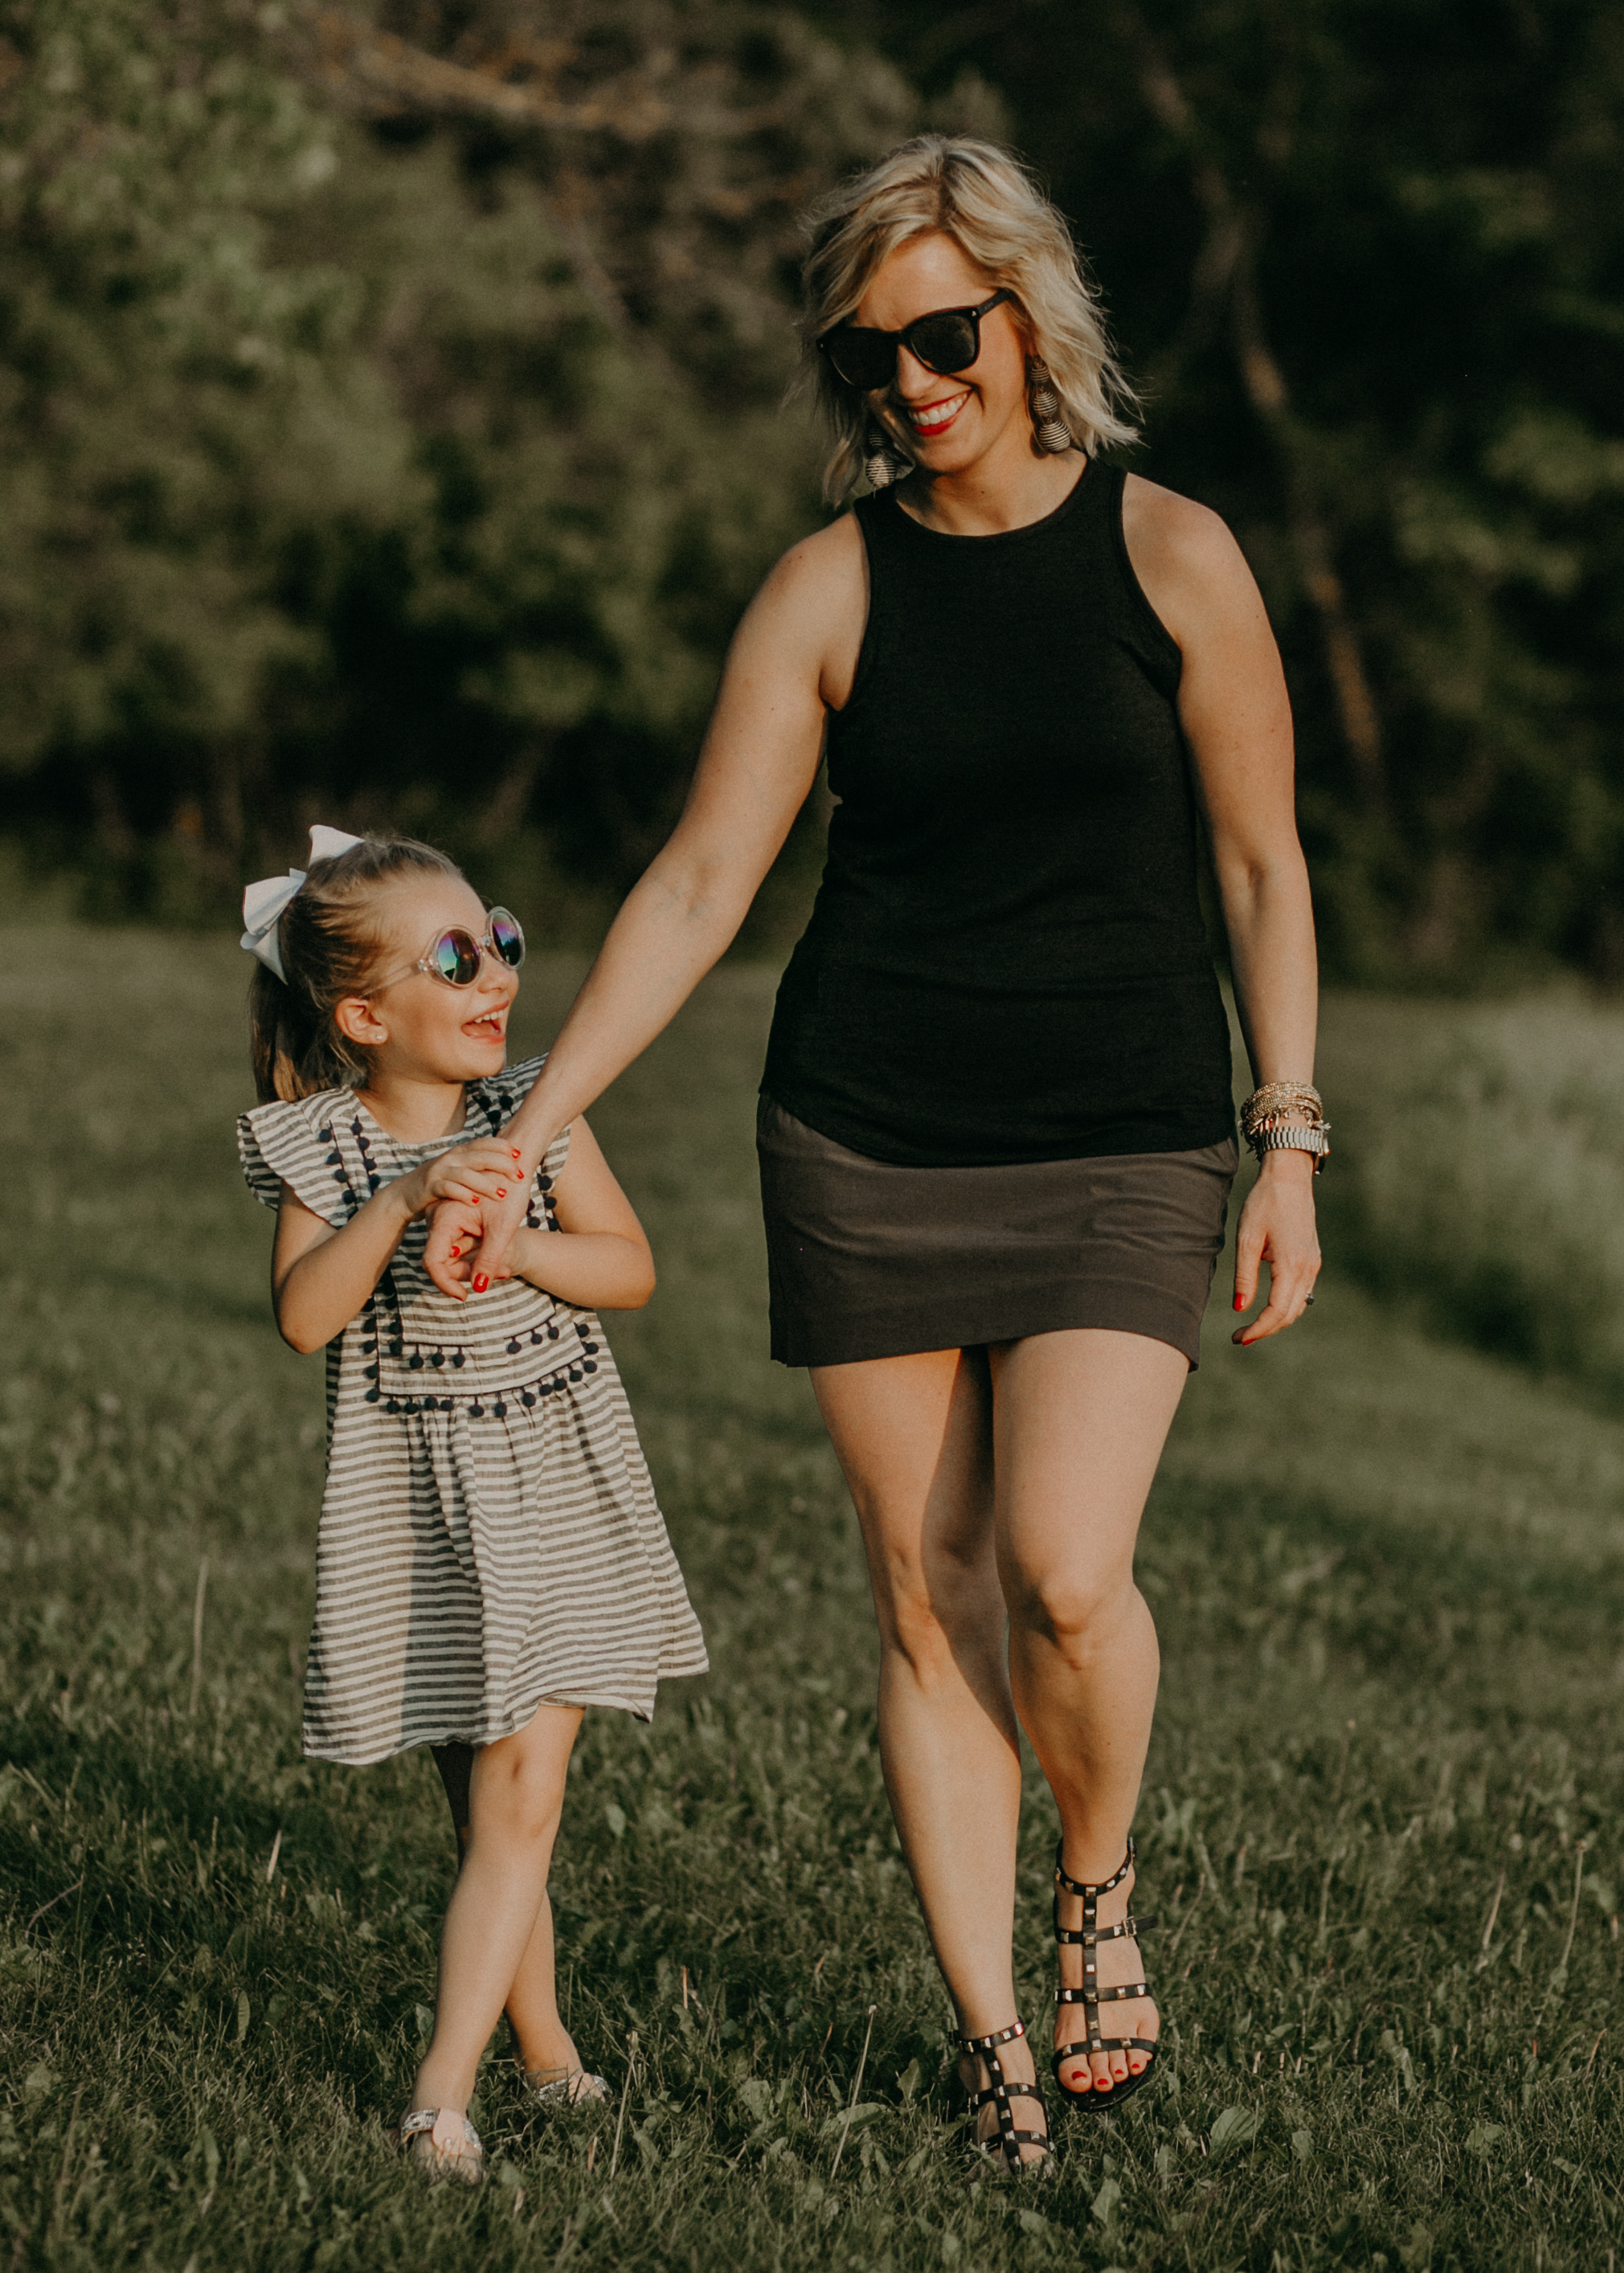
(950, 422)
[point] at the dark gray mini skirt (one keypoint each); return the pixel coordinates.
(868, 1259)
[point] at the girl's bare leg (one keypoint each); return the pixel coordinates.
(498, 1910)
(913, 1436)
(1079, 1420)
(544, 2042)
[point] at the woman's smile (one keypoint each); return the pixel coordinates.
(929, 419)
(490, 1026)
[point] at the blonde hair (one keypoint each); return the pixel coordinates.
(984, 199)
(329, 944)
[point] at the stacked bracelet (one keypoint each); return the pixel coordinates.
(1287, 1116)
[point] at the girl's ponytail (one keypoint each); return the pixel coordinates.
(328, 945)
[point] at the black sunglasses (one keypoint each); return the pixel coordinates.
(947, 341)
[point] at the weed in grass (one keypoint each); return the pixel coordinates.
(1380, 1824)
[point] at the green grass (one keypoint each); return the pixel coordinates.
(1481, 1151)
(1386, 1569)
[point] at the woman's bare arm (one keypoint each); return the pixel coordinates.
(794, 653)
(1236, 719)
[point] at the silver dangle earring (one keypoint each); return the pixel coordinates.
(883, 462)
(1050, 434)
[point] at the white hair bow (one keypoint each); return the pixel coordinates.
(263, 902)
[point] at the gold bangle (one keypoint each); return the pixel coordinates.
(1282, 1104)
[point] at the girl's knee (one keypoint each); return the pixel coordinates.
(516, 1795)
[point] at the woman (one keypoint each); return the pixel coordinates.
(997, 1134)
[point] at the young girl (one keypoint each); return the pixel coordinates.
(491, 1557)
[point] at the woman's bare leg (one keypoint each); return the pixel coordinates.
(497, 1942)
(1080, 1422)
(914, 1438)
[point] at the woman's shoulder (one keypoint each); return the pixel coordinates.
(1184, 555)
(1153, 516)
(821, 571)
(809, 614)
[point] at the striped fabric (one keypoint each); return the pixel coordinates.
(490, 1539)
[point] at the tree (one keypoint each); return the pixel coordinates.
(393, 426)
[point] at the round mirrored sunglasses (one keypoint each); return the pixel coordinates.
(455, 955)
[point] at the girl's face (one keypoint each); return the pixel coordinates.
(413, 1024)
(950, 422)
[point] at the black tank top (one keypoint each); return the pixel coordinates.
(1006, 960)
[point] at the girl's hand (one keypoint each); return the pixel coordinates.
(493, 1222)
(460, 1223)
(476, 1175)
(1277, 1228)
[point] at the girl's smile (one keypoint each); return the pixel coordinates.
(427, 1040)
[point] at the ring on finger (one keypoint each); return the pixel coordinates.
(1308, 1301)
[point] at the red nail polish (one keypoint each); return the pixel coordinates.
(454, 1253)
(1239, 1303)
(501, 1192)
(516, 1153)
(480, 1282)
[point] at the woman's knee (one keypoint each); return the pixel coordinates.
(1079, 1612)
(932, 1627)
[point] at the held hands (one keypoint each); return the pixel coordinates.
(469, 1238)
(1277, 1228)
(484, 1171)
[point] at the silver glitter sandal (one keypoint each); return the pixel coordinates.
(563, 2087)
(417, 2135)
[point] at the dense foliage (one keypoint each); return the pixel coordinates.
(389, 405)
(370, 445)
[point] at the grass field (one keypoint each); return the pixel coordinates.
(1381, 1821)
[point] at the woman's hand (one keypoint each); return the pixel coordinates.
(480, 1174)
(490, 1223)
(1277, 1228)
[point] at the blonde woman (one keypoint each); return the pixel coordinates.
(997, 1137)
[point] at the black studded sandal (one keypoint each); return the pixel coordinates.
(1007, 2140)
(1090, 1996)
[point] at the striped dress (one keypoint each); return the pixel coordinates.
(490, 1540)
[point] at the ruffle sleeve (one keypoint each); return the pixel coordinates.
(290, 1143)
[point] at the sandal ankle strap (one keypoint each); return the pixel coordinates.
(1082, 1886)
(984, 2044)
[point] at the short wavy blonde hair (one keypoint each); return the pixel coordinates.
(984, 199)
